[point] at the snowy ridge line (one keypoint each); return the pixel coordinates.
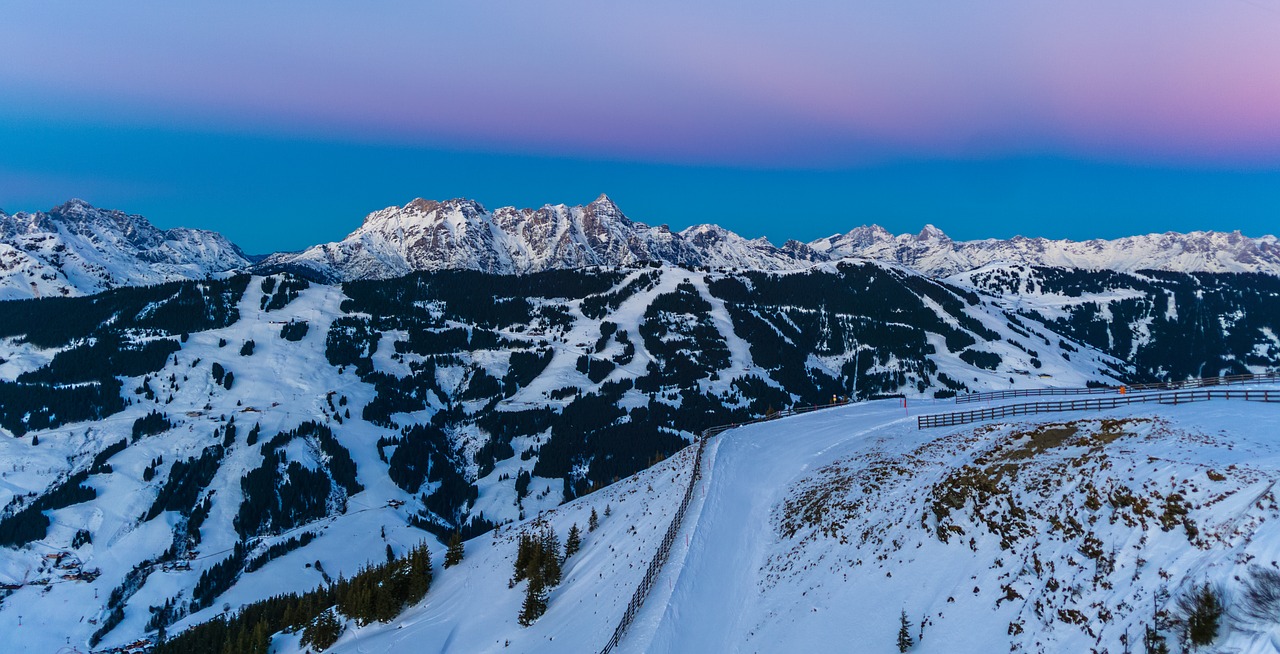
(664, 549)
(1229, 380)
(1031, 408)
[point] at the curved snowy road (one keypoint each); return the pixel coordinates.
(713, 591)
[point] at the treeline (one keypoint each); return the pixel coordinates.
(108, 355)
(279, 290)
(31, 524)
(33, 407)
(116, 333)
(600, 305)
(679, 333)
(875, 318)
(472, 297)
(278, 497)
(423, 454)
(218, 578)
(173, 308)
(613, 442)
(186, 480)
(1172, 326)
(376, 593)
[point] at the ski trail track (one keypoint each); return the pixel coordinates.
(708, 587)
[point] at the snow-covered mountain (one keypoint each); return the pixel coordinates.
(934, 253)
(76, 249)
(461, 234)
(186, 449)
(1067, 533)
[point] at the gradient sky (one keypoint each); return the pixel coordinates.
(281, 124)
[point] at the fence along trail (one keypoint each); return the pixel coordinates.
(1231, 380)
(939, 420)
(1091, 404)
(664, 548)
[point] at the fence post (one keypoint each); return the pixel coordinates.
(1111, 402)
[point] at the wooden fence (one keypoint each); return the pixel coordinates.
(659, 557)
(1231, 380)
(668, 540)
(1091, 404)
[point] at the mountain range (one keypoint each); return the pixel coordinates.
(76, 249)
(182, 459)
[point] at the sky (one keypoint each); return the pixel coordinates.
(282, 124)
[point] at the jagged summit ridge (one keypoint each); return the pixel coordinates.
(76, 249)
(429, 235)
(934, 253)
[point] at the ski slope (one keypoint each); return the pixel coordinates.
(745, 577)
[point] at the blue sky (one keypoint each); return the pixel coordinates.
(283, 125)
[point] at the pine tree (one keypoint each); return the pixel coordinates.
(260, 639)
(391, 556)
(550, 556)
(1203, 610)
(594, 521)
(419, 581)
(573, 542)
(322, 632)
(535, 604)
(1154, 642)
(524, 552)
(455, 552)
(904, 633)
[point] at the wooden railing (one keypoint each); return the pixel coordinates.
(659, 557)
(1091, 404)
(668, 539)
(1230, 380)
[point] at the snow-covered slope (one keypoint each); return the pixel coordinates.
(933, 253)
(75, 249)
(1047, 534)
(587, 379)
(461, 234)
(1135, 316)
(461, 401)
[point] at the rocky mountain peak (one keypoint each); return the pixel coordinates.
(419, 205)
(46, 250)
(76, 248)
(603, 209)
(604, 202)
(931, 233)
(73, 207)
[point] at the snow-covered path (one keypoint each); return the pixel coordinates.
(750, 470)
(714, 593)
(735, 583)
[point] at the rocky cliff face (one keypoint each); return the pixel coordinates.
(933, 253)
(76, 249)
(461, 234)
